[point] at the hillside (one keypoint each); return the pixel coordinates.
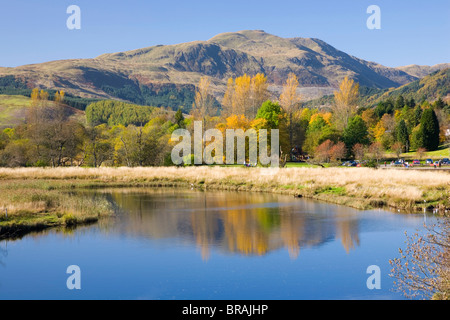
(170, 72)
(422, 71)
(13, 110)
(430, 88)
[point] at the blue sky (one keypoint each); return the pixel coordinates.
(412, 32)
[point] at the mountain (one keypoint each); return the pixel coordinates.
(165, 74)
(422, 71)
(435, 85)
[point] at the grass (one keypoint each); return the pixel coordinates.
(37, 198)
(28, 205)
(356, 187)
(13, 109)
(442, 152)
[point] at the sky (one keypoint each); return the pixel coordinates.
(34, 31)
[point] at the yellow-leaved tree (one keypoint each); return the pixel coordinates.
(345, 102)
(259, 94)
(245, 95)
(289, 100)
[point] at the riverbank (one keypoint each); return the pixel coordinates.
(37, 198)
(28, 205)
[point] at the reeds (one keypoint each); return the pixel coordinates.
(358, 187)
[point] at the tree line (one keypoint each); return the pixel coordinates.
(116, 133)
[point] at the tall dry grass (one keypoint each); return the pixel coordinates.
(394, 187)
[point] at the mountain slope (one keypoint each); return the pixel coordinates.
(431, 87)
(422, 71)
(138, 74)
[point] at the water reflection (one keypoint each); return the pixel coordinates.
(247, 224)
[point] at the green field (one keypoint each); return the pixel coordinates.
(13, 110)
(442, 152)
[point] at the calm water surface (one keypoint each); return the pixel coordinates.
(186, 244)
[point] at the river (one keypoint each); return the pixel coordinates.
(188, 244)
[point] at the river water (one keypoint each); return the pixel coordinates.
(187, 244)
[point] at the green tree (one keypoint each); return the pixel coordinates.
(439, 104)
(402, 135)
(429, 130)
(356, 132)
(399, 102)
(417, 115)
(271, 112)
(179, 119)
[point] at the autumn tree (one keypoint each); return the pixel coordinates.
(423, 268)
(242, 94)
(59, 96)
(319, 130)
(338, 151)
(227, 101)
(203, 102)
(289, 99)
(376, 150)
(359, 151)
(323, 151)
(345, 102)
(259, 93)
(398, 149)
(245, 95)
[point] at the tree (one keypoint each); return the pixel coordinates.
(245, 95)
(369, 118)
(179, 119)
(59, 96)
(345, 102)
(356, 132)
(271, 112)
(429, 130)
(242, 94)
(376, 150)
(439, 104)
(399, 102)
(323, 151)
(338, 151)
(319, 130)
(420, 152)
(289, 99)
(98, 147)
(259, 93)
(423, 268)
(402, 135)
(203, 103)
(359, 151)
(227, 101)
(397, 148)
(417, 116)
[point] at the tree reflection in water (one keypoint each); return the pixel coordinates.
(242, 223)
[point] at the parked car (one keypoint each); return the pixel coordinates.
(429, 161)
(445, 161)
(352, 164)
(416, 163)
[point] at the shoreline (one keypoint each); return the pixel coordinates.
(38, 199)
